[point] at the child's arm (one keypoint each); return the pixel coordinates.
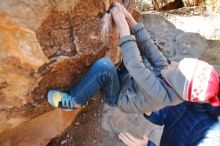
(155, 94)
(148, 48)
(144, 42)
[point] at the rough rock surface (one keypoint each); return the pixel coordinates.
(40, 130)
(115, 121)
(174, 43)
(203, 23)
(47, 44)
(20, 58)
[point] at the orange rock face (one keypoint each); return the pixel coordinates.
(40, 130)
(45, 45)
(21, 56)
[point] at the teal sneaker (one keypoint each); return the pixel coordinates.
(61, 100)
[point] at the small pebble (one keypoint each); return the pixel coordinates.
(77, 123)
(63, 141)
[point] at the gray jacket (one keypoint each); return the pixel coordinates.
(142, 89)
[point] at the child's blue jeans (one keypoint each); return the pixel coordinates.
(101, 76)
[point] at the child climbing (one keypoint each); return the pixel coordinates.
(145, 81)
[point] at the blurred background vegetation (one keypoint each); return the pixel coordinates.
(211, 6)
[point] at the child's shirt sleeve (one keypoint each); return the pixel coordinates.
(148, 48)
(156, 96)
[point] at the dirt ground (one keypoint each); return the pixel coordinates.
(87, 130)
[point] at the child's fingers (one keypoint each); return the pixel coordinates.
(115, 9)
(117, 14)
(110, 7)
(123, 9)
(117, 4)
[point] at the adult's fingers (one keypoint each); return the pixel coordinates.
(126, 140)
(145, 137)
(131, 137)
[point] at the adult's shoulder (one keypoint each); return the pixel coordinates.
(211, 136)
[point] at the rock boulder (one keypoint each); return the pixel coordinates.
(45, 45)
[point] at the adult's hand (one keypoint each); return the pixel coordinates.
(130, 140)
(120, 20)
